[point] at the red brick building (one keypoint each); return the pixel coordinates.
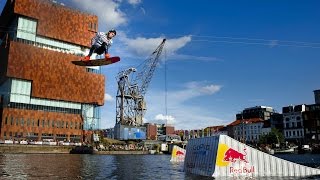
(43, 95)
(151, 131)
(169, 130)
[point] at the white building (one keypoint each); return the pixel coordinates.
(248, 130)
(293, 122)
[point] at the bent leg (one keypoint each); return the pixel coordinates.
(100, 50)
(93, 49)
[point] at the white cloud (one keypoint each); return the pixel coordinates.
(194, 89)
(108, 11)
(185, 116)
(210, 89)
(163, 117)
(134, 2)
(142, 46)
(108, 97)
(192, 57)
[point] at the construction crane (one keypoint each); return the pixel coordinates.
(130, 103)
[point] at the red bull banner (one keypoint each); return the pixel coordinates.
(177, 154)
(222, 156)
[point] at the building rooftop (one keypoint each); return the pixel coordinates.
(246, 121)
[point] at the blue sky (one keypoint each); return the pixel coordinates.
(221, 56)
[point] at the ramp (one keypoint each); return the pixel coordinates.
(222, 156)
(178, 154)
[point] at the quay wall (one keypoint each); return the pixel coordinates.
(121, 152)
(43, 149)
(29, 149)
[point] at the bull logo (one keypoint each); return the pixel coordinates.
(232, 155)
(227, 155)
(179, 153)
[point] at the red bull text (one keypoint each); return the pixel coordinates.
(243, 170)
(233, 156)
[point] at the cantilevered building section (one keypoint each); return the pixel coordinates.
(43, 95)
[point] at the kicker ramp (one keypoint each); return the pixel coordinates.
(222, 156)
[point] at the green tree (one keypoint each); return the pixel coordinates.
(274, 137)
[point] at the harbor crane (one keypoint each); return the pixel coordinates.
(132, 87)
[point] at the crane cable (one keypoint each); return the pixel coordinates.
(165, 85)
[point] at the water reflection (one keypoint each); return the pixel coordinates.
(73, 166)
(39, 166)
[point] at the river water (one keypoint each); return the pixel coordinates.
(73, 166)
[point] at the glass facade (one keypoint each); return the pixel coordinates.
(91, 115)
(20, 98)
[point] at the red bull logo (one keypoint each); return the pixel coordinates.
(232, 159)
(179, 153)
(232, 155)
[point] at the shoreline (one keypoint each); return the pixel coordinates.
(34, 149)
(46, 149)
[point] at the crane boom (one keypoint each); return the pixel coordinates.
(145, 75)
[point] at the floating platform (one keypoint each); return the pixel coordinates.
(223, 156)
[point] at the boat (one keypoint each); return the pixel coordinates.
(286, 150)
(82, 150)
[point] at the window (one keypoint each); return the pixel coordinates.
(27, 29)
(52, 123)
(6, 121)
(299, 124)
(22, 122)
(90, 25)
(95, 26)
(20, 91)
